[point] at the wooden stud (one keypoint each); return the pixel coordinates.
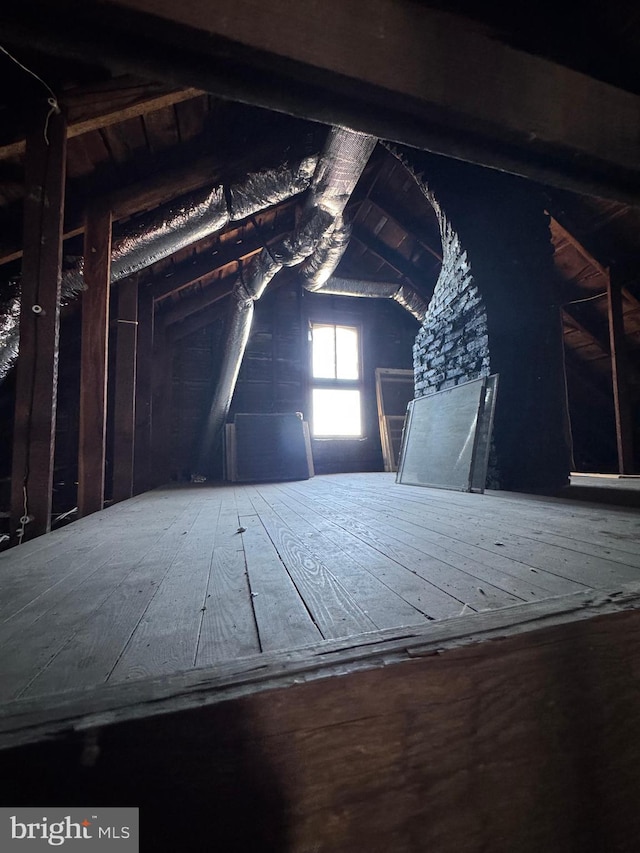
(37, 373)
(144, 367)
(125, 389)
(621, 401)
(93, 371)
(161, 404)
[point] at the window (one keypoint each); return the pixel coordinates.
(336, 378)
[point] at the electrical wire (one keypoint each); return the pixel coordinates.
(52, 100)
(586, 299)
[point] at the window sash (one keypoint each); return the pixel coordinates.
(343, 355)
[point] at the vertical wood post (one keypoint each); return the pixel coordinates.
(93, 369)
(144, 361)
(161, 404)
(37, 371)
(125, 389)
(621, 402)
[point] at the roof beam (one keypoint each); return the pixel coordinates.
(192, 324)
(592, 339)
(92, 108)
(394, 72)
(394, 259)
(227, 252)
(393, 213)
(193, 305)
(561, 232)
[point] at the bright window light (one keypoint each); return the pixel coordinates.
(347, 353)
(336, 412)
(335, 352)
(324, 351)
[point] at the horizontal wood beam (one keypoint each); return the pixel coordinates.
(395, 72)
(92, 108)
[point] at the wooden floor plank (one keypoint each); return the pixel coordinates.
(283, 620)
(126, 593)
(525, 581)
(334, 610)
(580, 530)
(166, 638)
(383, 605)
(51, 621)
(228, 628)
(613, 528)
(91, 653)
(421, 594)
(33, 586)
(588, 570)
(243, 500)
(372, 527)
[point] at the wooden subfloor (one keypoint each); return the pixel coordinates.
(189, 577)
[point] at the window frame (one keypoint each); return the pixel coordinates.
(337, 384)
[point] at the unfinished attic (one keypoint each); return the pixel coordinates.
(238, 244)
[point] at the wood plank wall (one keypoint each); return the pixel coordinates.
(524, 743)
(275, 373)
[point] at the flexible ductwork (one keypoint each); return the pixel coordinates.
(342, 162)
(170, 228)
(175, 226)
(9, 335)
(403, 294)
(10, 325)
(320, 266)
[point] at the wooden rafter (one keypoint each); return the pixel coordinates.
(92, 108)
(404, 81)
(591, 338)
(564, 237)
(233, 250)
(380, 249)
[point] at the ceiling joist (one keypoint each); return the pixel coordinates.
(92, 108)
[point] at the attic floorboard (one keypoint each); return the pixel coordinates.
(194, 576)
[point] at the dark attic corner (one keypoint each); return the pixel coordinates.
(320, 426)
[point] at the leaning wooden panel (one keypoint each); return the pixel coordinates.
(520, 735)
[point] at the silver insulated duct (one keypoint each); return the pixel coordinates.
(322, 231)
(403, 294)
(175, 226)
(172, 227)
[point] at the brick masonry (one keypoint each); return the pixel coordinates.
(493, 311)
(453, 344)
